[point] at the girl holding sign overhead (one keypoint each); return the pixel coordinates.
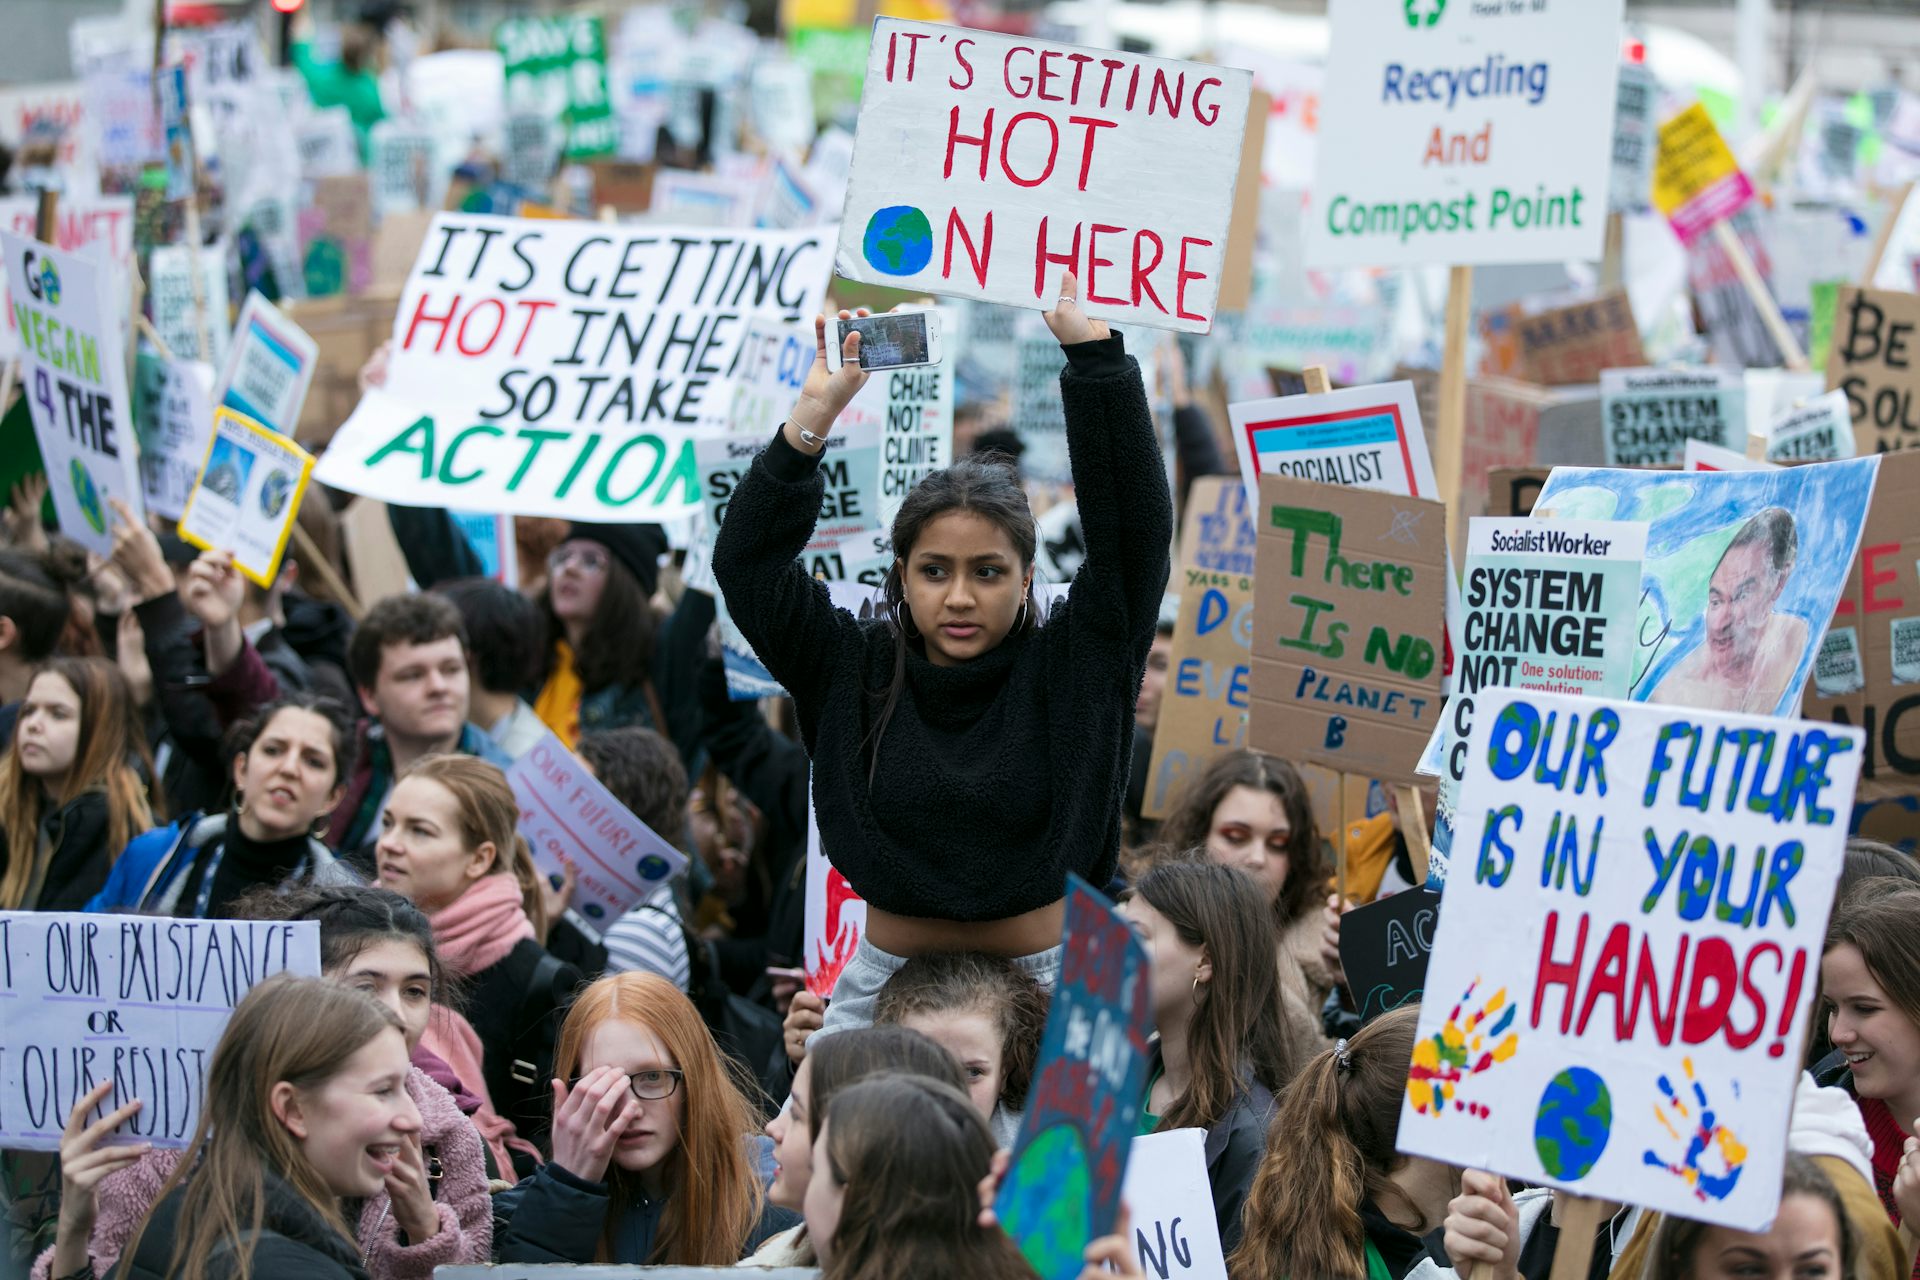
(70, 796)
(965, 756)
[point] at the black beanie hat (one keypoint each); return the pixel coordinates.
(637, 546)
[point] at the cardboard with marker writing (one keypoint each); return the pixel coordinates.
(1203, 705)
(1511, 490)
(1348, 626)
(1867, 670)
(1876, 360)
(1572, 344)
(1384, 948)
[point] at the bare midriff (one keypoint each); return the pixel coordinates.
(1023, 935)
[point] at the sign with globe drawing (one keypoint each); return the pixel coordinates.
(1628, 948)
(986, 165)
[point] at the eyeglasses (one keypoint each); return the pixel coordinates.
(648, 1086)
(591, 560)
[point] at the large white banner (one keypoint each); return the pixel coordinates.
(1629, 949)
(985, 165)
(547, 368)
(1465, 132)
(137, 1000)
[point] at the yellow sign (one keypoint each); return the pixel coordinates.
(247, 495)
(1696, 180)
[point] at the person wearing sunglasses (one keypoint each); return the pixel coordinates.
(657, 1155)
(609, 661)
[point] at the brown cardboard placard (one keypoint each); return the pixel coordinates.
(1519, 424)
(395, 246)
(346, 330)
(373, 554)
(1203, 707)
(1867, 672)
(1216, 531)
(1236, 269)
(1348, 626)
(1511, 490)
(624, 186)
(1573, 344)
(1875, 359)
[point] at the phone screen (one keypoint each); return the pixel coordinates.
(891, 340)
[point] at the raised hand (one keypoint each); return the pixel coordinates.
(84, 1163)
(588, 1120)
(214, 589)
(136, 553)
(1469, 1044)
(824, 395)
(1069, 323)
(23, 511)
(1714, 1157)
(1906, 1183)
(804, 1017)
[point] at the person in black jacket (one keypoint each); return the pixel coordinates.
(965, 757)
(70, 793)
(306, 1106)
(1221, 1054)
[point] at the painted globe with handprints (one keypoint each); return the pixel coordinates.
(1045, 1201)
(274, 491)
(87, 495)
(899, 240)
(49, 282)
(1575, 1119)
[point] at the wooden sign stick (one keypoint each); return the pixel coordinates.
(1881, 241)
(1730, 244)
(1580, 1219)
(310, 555)
(1314, 378)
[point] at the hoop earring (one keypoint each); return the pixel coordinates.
(905, 615)
(318, 830)
(239, 803)
(1019, 623)
(1194, 991)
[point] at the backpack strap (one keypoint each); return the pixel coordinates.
(546, 975)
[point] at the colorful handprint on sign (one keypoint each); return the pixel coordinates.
(1714, 1156)
(1465, 1047)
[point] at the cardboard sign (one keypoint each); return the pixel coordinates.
(836, 916)
(137, 1000)
(1203, 709)
(1384, 948)
(105, 221)
(1038, 413)
(1819, 431)
(1572, 344)
(1062, 1189)
(1633, 137)
(1650, 414)
(345, 332)
(247, 495)
(1548, 606)
(573, 823)
(557, 67)
(403, 176)
(1512, 490)
(173, 411)
(69, 310)
(1360, 437)
(1511, 423)
(170, 298)
(269, 367)
(1217, 533)
(1348, 626)
(1464, 134)
(1866, 673)
(1175, 1229)
(1696, 180)
(1630, 951)
(500, 398)
(1876, 343)
(917, 436)
(985, 165)
(1725, 626)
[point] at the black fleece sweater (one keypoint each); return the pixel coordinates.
(997, 777)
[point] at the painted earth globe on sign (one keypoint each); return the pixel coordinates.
(87, 495)
(1575, 1119)
(1045, 1202)
(899, 240)
(274, 491)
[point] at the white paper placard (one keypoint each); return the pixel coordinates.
(269, 367)
(571, 821)
(1629, 948)
(1821, 430)
(73, 371)
(1465, 133)
(985, 165)
(1649, 415)
(248, 494)
(1170, 1201)
(139, 1000)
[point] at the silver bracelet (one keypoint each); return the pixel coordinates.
(807, 437)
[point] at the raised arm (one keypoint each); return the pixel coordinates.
(1120, 483)
(783, 612)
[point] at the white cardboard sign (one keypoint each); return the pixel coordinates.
(571, 821)
(139, 1000)
(985, 165)
(1465, 132)
(1649, 415)
(1170, 1201)
(67, 309)
(269, 367)
(1629, 950)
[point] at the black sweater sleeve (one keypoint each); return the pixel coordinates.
(785, 614)
(1126, 511)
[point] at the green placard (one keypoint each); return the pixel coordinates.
(558, 67)
(20, 455)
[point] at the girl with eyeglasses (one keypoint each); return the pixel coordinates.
(609, 661)
(656, 1158)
